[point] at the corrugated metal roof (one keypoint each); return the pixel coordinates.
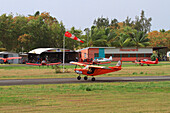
(95, 47)
(41, 50)
(5, 52)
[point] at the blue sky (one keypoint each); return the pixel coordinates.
(82, 13)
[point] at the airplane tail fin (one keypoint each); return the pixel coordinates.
(156, 61)
(110, 58)
(119, 63)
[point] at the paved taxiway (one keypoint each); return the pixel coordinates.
(74, 80)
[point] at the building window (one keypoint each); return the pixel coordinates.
(132, 55)
(124, 55)
(116, 55)
(108, 55)
(96, 54)
(84, 55)
(140, 55)
(148, 55)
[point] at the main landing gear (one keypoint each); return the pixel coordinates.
(85, 78)
(93, 79)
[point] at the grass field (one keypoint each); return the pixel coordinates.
(131, 97)
(128, 69)
(149, 97)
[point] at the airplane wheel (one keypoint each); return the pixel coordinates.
(85, 78)
(93, 79)
(148, 64)
(79, 78)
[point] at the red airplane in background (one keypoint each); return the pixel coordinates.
(9, 58)
(92, 70)
(44, 63)
(146, 61)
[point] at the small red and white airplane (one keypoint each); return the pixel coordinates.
(146, 61)
(44, 63)
(9, 58)
(92, 70)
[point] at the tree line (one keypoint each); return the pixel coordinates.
(24, 33)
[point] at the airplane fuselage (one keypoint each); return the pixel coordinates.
(96, 71)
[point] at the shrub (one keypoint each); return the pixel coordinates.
(154, 56)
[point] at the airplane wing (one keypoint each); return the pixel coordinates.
(104, 63)
(10, 58)
(77, 63)
(53, 63)
(86, 63)
(92, 66)
(33, 64)
(2, 58)
(136, 62)
(99, 67)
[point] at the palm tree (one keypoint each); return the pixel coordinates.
(87, 30)
(122, 41)
(37, 13)
(139, 39)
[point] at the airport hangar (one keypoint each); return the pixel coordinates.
(125, 54)
(5, 54)
(52, 55)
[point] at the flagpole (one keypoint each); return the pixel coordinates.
(63, 52)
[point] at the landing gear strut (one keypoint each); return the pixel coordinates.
(79, 77)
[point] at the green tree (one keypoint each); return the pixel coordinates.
(101, 22)
(6, 31)
(139, 39)
(128, 22)
(122, 41)
(114, 24)
(142, 24)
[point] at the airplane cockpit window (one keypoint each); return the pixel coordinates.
(86, 67)
(145, 59)
(90, 70)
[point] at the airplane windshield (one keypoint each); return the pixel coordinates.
(86, 67)
(100, 59)
(90, 70)
(145, 59)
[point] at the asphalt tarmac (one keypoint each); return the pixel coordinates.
(74, 80)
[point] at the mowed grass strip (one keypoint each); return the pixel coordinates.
(130, 97)
(34, 72)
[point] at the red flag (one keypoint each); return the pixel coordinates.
(67, 34)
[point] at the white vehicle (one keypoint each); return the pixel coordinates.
(103, 59)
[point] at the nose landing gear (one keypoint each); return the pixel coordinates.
(79, 77)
